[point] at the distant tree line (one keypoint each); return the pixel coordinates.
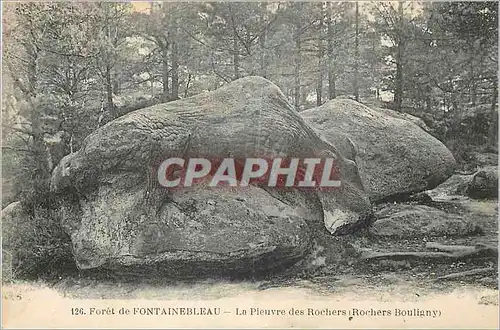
(71, 67)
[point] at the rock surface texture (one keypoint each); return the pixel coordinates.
(413, 221)
(395, 157)
(484, 183)
(12, 215)
(455, 186)
(119, 218)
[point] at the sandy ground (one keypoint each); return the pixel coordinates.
(30, 305)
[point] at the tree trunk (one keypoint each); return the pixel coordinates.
(331, 61)
(152, 83)
(175, 71)
(296, 73)
(494, 98)
(186, 90)
(262, 41)
(108, 81)
(445, 117)
(321, 54)
(319, 85)
(398, 83)
(236, 58)
(398, 89)
(473, 89)
(165, 96)
(428, 100)
(116, 85)
(40, 155)
(494, 117)
(109, 92)
(356, 56)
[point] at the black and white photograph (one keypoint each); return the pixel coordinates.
(248, 164)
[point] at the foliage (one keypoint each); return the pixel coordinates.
(37, 245)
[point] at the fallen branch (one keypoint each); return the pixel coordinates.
(404, 255)
(472, 272)
(479, 252)
(449, 248)
(467, 172)
(465, 249)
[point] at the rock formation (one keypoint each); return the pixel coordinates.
(415, 221)
(395, 157)
(484, 183)
(118, 217)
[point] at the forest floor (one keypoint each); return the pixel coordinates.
(423, 267)
(427, 272)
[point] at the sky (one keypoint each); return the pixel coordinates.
(141, 6)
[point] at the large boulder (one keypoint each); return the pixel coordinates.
(120, 218)
(395, 157)
(199, 231)
(402, 115)
(411, 221)
(484, 183)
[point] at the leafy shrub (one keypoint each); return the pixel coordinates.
(34, 245)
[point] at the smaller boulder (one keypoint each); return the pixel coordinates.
(410, 221)
(484, 184)
(12, 214)
(455, 186)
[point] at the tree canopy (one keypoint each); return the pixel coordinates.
(71, 67)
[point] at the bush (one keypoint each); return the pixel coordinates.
(34, 244)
